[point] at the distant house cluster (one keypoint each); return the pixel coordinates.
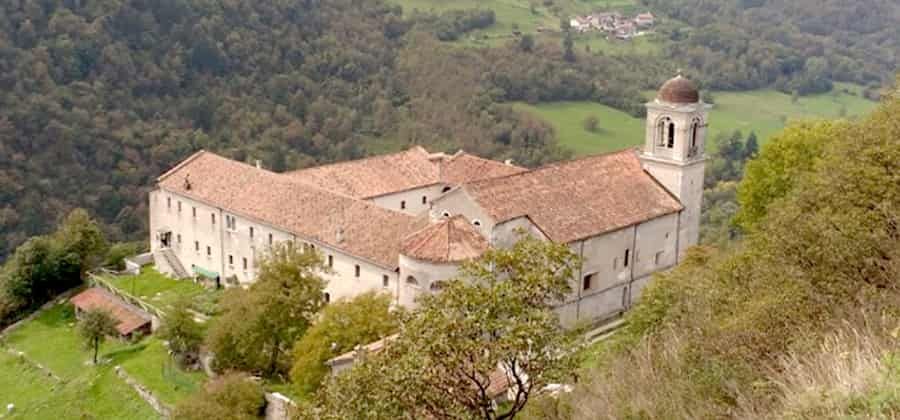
(613, 24)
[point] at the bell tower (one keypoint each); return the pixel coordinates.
(674, 150)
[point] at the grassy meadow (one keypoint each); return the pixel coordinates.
(85, 390)
(764, 111)
(518, 15)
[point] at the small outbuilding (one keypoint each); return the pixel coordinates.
(130, 318)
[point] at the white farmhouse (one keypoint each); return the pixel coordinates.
(402, 223)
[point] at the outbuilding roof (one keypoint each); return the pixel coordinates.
(357, 227)
(451, 240)
(130, 318)
(577, 199)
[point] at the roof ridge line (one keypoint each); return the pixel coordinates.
(362, 159)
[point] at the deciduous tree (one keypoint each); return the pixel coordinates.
(494, 326)
(95, 324)
(260, 325)
(342, 326)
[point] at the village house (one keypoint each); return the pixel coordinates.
(403, 223)
(612, 23)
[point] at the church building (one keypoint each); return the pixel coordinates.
(403, 223)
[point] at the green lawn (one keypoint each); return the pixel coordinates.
(94, 394)
(764, 111)
(162, 292)
(618, 130)
(517, 15)
(86, 390)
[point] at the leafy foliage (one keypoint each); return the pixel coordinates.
(341, 326)
(48, 265)
(704, 337)
(799, 46)
(493, 325)
(259, 325)
(93, 326)
(233, 396)
(182, 332)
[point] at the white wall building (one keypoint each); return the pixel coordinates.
(402, 223)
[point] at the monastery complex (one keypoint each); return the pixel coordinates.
(403, 223)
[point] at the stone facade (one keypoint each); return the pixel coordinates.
(627, 214)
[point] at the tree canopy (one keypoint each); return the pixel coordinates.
(259, 326)
(491, 329)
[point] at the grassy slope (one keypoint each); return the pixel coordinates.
(516, 14)
(762, 111)
(163, 292)
(51, 340)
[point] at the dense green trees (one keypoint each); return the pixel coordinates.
(798, 46)
(340, 327)
(705, 336)
(233, 396)
(258, 326)
(494, 324)
(48, 265)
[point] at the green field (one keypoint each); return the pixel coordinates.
(86, 391)
(162, 292)
(764, 111)
(517, 15)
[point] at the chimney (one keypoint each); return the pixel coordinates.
(258, 164)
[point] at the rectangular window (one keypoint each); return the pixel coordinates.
(179, 206)
(270, 239)
(251, 232)
(357, 271)
(658, 258)
(230, 260)
(587, 281)
(213, 218)
(209, 251)
(194, 212)
(385, 281)
(197, 246)
(627, 254)
(245, 263)
(402, 205)
(179, 239)
(168, 202)
(331, 261)
(424, 199)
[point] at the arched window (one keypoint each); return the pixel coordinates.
(671, 137)
(410, 280)
(327, 297)
(695, 135)
(446, 189)
(445, 214)
(661, 131)
(437, 286)
(476, 222)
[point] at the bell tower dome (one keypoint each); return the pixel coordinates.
(674, 148)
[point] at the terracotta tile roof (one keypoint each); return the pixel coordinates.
(403, 171)
(451, 240)
(463, 167)
(374, 176)
(367, 231)
(577, 199)
(130, 318)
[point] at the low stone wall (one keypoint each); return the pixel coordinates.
(278, 407)
(37, 365)
(157, 405)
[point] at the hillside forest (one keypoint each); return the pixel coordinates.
(98, 97)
